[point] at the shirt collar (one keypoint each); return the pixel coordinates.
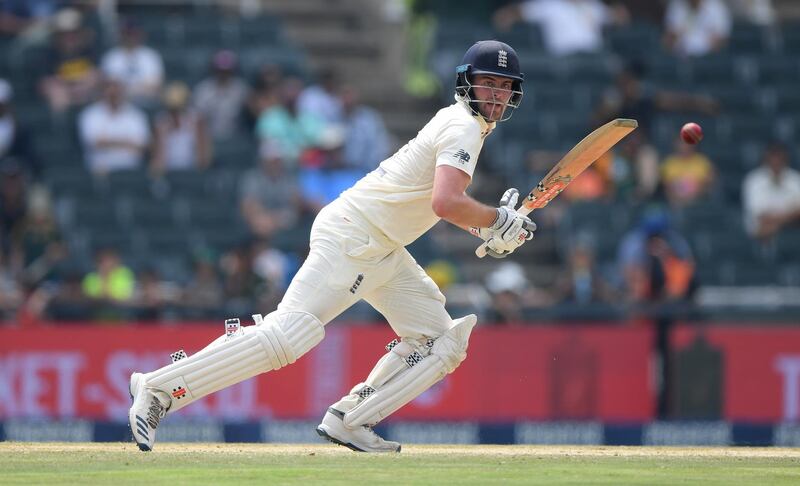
(486, 128)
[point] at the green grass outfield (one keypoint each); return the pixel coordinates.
(115, 463)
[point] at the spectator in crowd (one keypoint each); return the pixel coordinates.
(266, 91)
(581, 282)
(274, 268)
(39, 248)
(758, 12)
(15, 140)
(506, 285)
(111, 281)
(202, 296)
(771, 194)
(285, 126)
(115, 133)
(634, 169)
(221, 97)
(512, 293)
(367, 142)
(568, 26)
(696, 27)
(592, 184)
(72, 76)
(153, 297)
(139, 67)
(16, 16)
(181, 138)
(324, 172)
(241, 285)
(686, 175)
(321, 100)
(11, 294)
(655, 261)
(632, 97)
(13, 206)
(269, 195)
(67, 300)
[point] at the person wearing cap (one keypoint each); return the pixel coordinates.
(654, 260)
(72, 76)
(139, 67)
(358, 252)
(181, 140)
(220, 97)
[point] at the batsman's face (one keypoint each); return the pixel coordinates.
(492, 93)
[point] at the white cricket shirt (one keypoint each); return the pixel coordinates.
(396, 197)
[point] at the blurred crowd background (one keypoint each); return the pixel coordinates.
(163, 161)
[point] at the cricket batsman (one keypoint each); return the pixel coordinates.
(358, 252)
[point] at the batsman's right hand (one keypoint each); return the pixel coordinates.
(509, 230)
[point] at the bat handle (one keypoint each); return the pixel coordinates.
(480, 252)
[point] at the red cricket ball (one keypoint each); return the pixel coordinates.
(691, 133)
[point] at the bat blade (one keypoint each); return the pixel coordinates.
(581, 156)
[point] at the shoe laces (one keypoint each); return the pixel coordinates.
(155, 412)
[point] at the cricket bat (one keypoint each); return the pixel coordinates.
(571, 165)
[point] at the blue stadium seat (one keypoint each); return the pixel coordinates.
(787, 99)
(133, 183)
(791, 38)
(152, 214)
(718, 70)
(748, 38)
(779, 69)
(69, 180)
(635, 40)
(187, 183)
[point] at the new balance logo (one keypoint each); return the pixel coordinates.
(502, 58)
(461, 156)
(358, 281)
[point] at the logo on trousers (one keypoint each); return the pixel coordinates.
(355, 285)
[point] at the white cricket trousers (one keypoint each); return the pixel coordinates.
(351, 260)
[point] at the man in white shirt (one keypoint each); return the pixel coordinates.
(568, 26)
(139, 67)
(114, 132)
(771, 194)
(358, 252)
(696, 27)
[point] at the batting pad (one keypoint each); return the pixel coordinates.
(448, 351)
(276, 340)
(402, 355)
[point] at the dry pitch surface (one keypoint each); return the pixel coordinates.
(115, 463)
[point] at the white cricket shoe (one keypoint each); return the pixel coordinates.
(146, 412)
(361, 439)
